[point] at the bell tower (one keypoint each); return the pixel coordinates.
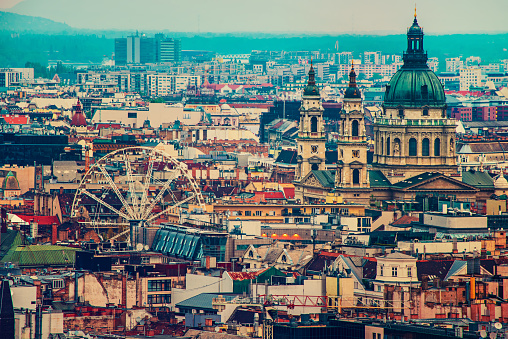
(352, 144)
(311, 135)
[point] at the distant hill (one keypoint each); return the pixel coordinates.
(34, 39)
(11, 22)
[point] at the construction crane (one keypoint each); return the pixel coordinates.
(326, 302)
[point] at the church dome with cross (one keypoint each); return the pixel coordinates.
(415, 85)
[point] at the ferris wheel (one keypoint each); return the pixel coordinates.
(134, 184)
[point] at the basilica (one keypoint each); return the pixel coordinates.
(414, 142)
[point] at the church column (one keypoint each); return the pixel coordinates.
(419, 148)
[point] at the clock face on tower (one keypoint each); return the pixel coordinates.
(314, 148)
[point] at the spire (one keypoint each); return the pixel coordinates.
(352, 75)
(312, 74)
(352, 92)
(415, 55)
(311, 89)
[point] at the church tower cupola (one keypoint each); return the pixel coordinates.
(352, 92)
(415, 55)
(311, 134)
(352, 142)
(311, 89)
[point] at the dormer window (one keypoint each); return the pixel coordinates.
(425, 112)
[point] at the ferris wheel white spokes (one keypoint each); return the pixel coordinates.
(170, 208)
(134, 184)
(160, 195)
(104, 203)
(148, 179)
(115, 189)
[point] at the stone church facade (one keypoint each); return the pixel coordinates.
(414, 141)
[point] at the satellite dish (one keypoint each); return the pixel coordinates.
(148, 247)
(483, 334)
(139, 247)
(498, 326)
(142, 322)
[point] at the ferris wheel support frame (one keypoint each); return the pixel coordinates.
(137, 213)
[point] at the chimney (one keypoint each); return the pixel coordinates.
(124, 290)
(61, 190)
(54, 234)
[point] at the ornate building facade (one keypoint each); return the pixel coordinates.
(413, 134)
(351, 174)
(311, 140)
(414, 142)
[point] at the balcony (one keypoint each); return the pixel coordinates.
(415, 122)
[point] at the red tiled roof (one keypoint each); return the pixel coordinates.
(245, 275)
(16, 120)
(274, 195)
(405, 220)
(40, 219)
(289, 192)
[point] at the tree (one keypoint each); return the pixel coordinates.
(40, 71)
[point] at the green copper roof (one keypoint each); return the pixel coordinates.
(41, 255)
(478, 179)
(415, 88)
(325, 177)
(415, 85)
(378, 180)
(311, 89)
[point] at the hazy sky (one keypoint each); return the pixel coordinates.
(319, 16)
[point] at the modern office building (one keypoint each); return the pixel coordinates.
(138, 49)
(168, 49)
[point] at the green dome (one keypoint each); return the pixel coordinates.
(414, 88)
(415, 85)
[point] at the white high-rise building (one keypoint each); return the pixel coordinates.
(470, 77)
(454, 64)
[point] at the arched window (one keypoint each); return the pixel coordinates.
(354, 128)
(315, 167)
(413, 146)
(388, 146)
(425, 147)
(313, 124)
(437, 147)
(356, 176)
